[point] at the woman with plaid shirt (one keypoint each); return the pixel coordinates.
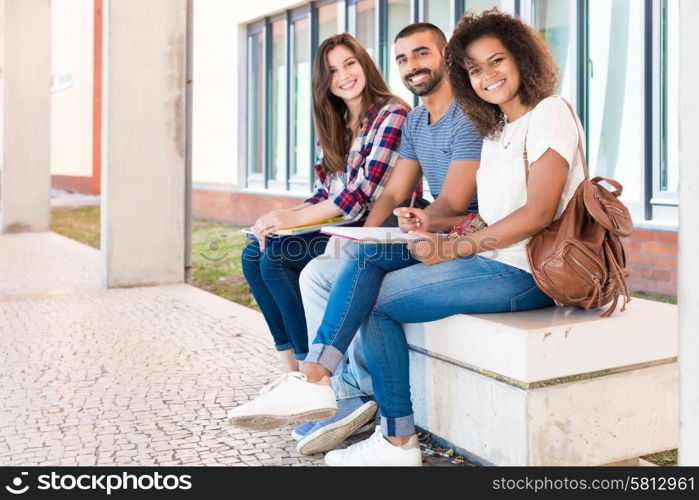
(358, 123)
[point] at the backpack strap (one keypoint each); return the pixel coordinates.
(619, 276)
(581, 150)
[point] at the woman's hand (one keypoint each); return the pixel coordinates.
(433, 249)
(271, 222)
(411, 219)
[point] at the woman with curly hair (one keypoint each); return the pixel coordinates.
(503, 77)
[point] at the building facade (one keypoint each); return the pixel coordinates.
(253, 141)
(75, 94)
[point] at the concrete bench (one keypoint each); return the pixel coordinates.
(554, 386)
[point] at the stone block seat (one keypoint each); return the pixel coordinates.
(554, 386)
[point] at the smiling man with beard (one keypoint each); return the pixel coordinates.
(420, 80)
(437, 138)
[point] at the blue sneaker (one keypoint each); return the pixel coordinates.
(302, 429)
(351, 418)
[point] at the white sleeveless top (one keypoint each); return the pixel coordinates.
(501, 180)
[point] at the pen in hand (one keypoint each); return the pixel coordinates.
(407, 220)
(412, 199)
(412, 204)
(408, 215)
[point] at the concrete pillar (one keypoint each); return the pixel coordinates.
(25, 115)
(688, 269)
(143, 134)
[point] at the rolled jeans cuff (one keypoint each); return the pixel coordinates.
(298, 356)
(398, 426)
(283, 347)
(325, 355)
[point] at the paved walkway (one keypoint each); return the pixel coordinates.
(140, 376)
(63, 198)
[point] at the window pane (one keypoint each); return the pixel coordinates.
(616, 121)
(256, 101)
(438, 12)
(398, 18)
(301, 101)
(366, 25)
(556, 21)
(327, 21)
(481, 5)
(278, 104)
(669, 64)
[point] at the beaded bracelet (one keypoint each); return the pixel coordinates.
(469, 224)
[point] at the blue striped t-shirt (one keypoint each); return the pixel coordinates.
(436, 145)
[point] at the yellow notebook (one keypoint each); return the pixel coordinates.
(309, 228)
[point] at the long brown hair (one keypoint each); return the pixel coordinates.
(328, 109)
(537, 68)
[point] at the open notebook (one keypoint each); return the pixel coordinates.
(310, 228)
(372, 234)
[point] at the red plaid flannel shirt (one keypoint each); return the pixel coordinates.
(371, 158)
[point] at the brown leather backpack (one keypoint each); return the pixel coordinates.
(579, 260)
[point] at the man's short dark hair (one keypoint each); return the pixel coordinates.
(411, 29)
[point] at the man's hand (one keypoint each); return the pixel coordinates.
(411, 219)
(433, 249)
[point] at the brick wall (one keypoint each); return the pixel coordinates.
(75, 183)
(236, 207)
(651, 259)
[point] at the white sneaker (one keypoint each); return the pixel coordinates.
(377, 451)
(287, 400)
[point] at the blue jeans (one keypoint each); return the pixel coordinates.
(422, 293)
(352, 298)
(351, 379)
(273, 276)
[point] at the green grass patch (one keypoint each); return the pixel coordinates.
(668, 299)
(81, 224)
(663, 459)
(216, 249)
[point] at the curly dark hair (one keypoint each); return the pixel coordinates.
(537, 68)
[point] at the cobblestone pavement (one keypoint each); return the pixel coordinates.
(140, 376)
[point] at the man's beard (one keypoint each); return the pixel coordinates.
(426, 87)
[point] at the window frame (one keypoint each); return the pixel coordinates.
(638, 209)
(255, 179)
(379, 15)
(342, 9)
(275, 184)
(295, 183)
(663, 205)
(655, 206)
